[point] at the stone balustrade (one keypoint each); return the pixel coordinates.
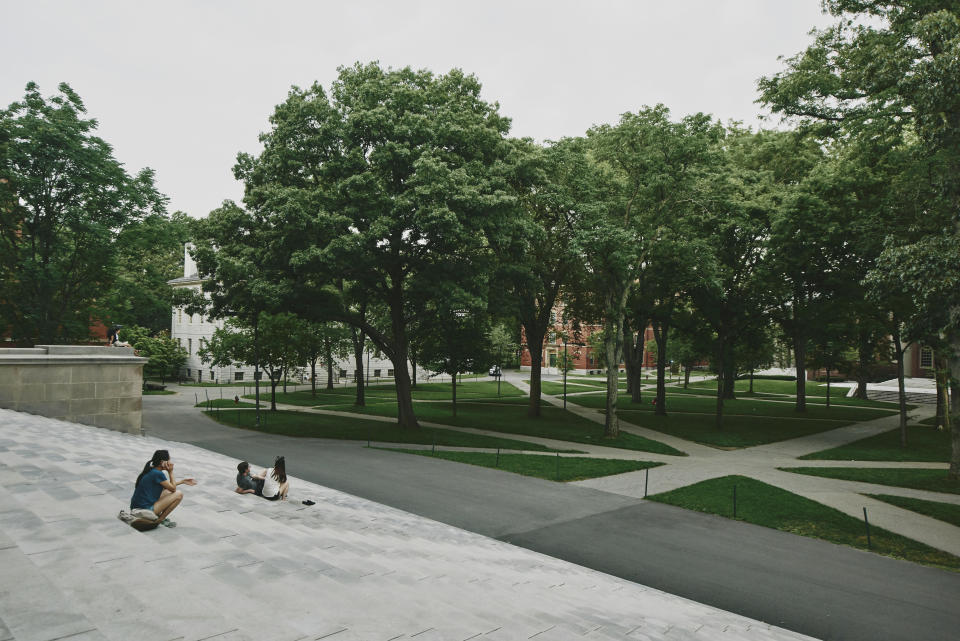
(99, 386)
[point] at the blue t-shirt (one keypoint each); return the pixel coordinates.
(148, 490)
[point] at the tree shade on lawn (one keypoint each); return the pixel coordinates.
(924, 444)
(566, 468)
(932, 480)
(769, 506)
(554, 423)
(293, 423)
(946, 512)
(685, 403)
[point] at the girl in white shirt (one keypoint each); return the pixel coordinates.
(275, 484)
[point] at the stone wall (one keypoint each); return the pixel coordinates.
(98, 386)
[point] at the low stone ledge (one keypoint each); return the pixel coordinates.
(81, 383)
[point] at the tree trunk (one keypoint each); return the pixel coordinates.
(828, 386)
(405, 414)
(729, 375)
(721, 348)
(686, 376)
(954, 360)
(313, 377)
(453, 382)
(901, 391)
(633, 357)
(751, 381)
(942, 374)
(611, 426)
(864, 358)
(273, 392)
(660, 333)
(413, 366)
(328, 356)
(535, 347)
(800, 356)
(359, 342)
(283, 375)
(256, 366)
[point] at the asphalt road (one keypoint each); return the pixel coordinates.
(809, 586)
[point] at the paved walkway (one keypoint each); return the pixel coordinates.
(238, 567)
(759, 462)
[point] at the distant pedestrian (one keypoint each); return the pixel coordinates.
(236, 399)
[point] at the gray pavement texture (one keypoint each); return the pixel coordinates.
(239, 567)
(810, 586)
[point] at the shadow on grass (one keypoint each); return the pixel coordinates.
(769, 506)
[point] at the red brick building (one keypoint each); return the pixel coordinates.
(577, 346)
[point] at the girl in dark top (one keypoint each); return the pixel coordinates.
(155, 491)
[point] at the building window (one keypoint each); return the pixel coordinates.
(238, 376)
(389, 372)
(189, 346)
(257, 376)
(553, 317)
(926, 358)
(188, 372)
(376, 373)
(179, 315)
(343, 373)
(211, 375)
(553, 359)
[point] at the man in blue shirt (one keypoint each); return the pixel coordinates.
(155, 491)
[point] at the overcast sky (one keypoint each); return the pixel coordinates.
(182, 86)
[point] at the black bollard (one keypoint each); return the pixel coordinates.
(498, 457)
(867, 524)
(646, 482)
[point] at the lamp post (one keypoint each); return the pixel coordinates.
(564, 364)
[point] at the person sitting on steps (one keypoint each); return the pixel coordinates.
(154, 491)
(247, 484)
(275, 484)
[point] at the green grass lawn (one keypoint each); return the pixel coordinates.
(737, 431)
(919, 479)
(738, 407)
(423, 391)
(772, 507)
(228, 402)
(947, 512)
(293, 423)
(552, 468)
(157, 392)
(923, 444)
(552, 387)
(554, 423)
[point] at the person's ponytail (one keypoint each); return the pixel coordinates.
(158, 457)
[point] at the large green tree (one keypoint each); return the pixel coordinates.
(392, 171)
(889, 70)
(147, 253)
(63, 196)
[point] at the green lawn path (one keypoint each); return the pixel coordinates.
(769, 506)
(932, 480)
(294, 423)
(552, 468)
(946, 512)
(554, 423)
(924, 444)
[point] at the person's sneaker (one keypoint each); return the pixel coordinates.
(168, 523)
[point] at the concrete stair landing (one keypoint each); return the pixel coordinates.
(239, 567)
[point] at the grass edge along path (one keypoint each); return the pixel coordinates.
(551, 468)
(946, 512)
(924, 444)
(762, 504)
(922, 478)
(554, 423)
(304, 424)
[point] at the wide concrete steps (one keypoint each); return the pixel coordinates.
(239, 567)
